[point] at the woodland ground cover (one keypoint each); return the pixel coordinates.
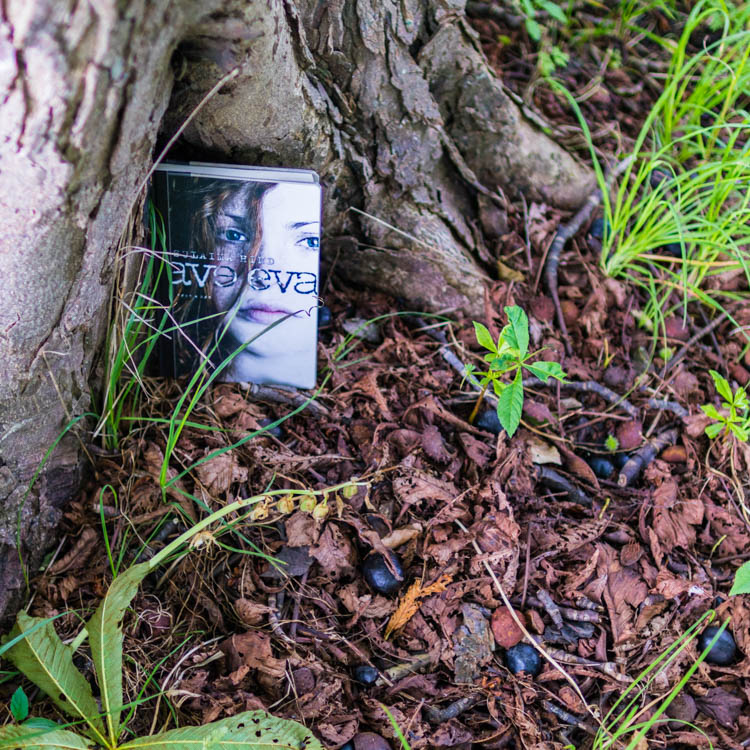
(608, 575)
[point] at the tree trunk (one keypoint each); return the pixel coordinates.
(390, 100)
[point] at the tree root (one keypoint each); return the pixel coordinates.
(644, 456)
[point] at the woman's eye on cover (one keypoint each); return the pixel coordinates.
(313, 243)
(233, 235)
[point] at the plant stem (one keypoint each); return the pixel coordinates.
(478, 403)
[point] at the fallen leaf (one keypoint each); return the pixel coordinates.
(411, 601)
(539, 452)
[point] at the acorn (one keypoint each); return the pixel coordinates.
(523, 658)
(601, 466)
(723, 652)
(378, 575)
(489, 421)
(366, 674)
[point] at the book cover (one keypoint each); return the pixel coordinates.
(241, 249)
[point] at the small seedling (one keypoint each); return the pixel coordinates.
(736, 420)
(611, 443)
(509, 355)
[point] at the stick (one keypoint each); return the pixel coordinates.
(558, 483)
(589, 386)
(644, 456)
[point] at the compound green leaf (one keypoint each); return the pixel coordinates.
(14, 736)
(105, 639)
(48, 663)
(484, 337)
(250, 730)
(518, 335)
(722, 386)
(741, 580)
(510, 405)
(546, 370)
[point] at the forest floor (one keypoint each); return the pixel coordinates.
(606, 577)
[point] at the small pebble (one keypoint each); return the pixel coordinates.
(378, 575)
(369, 741)
(601, 466)
(362, 329)
(366, 674)
(523, 658)
(724, 650)
(277, 432)
(599, 228)
(488, 420)
(324, 317)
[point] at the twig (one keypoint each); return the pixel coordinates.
(666, 405)
(568, 718)
(696, 337)
(589, 386)
(273, 619)
(644, 456)
(286, 396)
(564, 233)
(558, 483)
(552, 609)
(451, 711)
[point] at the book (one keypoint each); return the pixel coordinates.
(241, 250)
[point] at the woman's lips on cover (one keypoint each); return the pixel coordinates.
(263, 313)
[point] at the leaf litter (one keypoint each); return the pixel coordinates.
(604, 587)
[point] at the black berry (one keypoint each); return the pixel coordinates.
(348, 746)
(620, 459)
(277, 432)
(488, 420)
(672, 248)
(366, 674)
(724, 651)
(324, 317)
(602, 467)
(523, 658)
(378, 575)
(599, 229)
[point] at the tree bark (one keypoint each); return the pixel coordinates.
(391, 101)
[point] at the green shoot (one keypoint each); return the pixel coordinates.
(611, 443)
(735, 419)
(509, 355)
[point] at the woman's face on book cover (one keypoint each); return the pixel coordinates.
(283, 279)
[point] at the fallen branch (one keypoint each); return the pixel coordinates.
(558, 483)
(644, 456)
(589, 386)
(451, 711)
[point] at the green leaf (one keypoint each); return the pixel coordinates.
(710, 411)
(19, 705)
(739, 431)
(714, 429)
(555, 11)
(546, 370)
(740, 400)
(519, 330)
(741, 580)
(484, 337)
(722, 386)
(48, 663)
(32, 738)
(510, 405)
(533, 29)
(250, 730)
(39, 722)
(105, 639)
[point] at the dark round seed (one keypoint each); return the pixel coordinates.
(348, 746)
(324, 317)
(672, 248)
(378, 575)
(488, 420)
(366, 674)
(523, 658)
(602, 467)
(724, 651)
(599, 229)
(620, 459)
(277, 432)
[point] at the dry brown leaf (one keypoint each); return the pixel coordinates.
(409, 605)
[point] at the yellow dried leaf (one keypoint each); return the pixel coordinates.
(409, 605)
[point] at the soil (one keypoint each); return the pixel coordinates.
(605, 577)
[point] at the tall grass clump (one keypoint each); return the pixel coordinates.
(680, 216)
